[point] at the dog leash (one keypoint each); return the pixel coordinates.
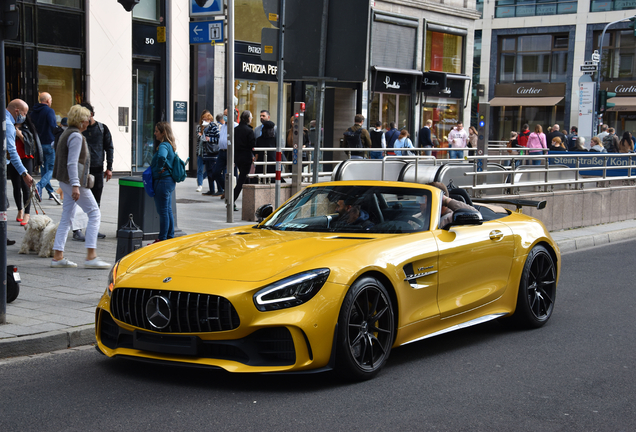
(34, 201)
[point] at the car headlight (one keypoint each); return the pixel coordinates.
(291, 291)
(112, 276)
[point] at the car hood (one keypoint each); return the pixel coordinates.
(243, 254)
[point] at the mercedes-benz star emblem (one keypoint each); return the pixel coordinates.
(168, 279)
(158, 311)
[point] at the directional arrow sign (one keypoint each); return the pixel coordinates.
(202, 32)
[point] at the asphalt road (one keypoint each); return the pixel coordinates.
(577, 373)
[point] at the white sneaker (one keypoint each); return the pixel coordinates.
(55, 197)
(63, 263)
(96, 263)
(199, 188)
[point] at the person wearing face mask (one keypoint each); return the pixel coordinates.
(16, 114)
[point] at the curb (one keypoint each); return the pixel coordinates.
(46, 342)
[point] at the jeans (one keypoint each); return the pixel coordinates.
(210, 164)
(87, 203)
(47, 168)
(537, 161)
(219, 168)
(201, 170)
(375, 155)
(456, 154)
(428, 152)
(163, 202)
(98, 187)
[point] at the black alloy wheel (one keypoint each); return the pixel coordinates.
(366, 330)
(537, 290)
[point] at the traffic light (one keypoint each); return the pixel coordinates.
(603, 96)
(9, 19)
(128, 4)
(608, 96)
(632, 24)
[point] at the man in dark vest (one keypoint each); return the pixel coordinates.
(378, 141)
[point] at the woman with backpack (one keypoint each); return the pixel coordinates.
(164, 184)
(403, 142)
(28, 146)
(536, 140)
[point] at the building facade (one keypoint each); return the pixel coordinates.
(528, 56)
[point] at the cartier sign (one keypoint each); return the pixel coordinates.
(621, 88)
(530, 90)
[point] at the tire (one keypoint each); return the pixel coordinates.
(537, 290)
(366, 330)
(13, 289)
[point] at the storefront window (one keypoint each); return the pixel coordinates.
(67, 3)
(610, 5)
(387, 108)
(444, 112)
(521, 8)
(619, 60)
(533, 58)
(256, 96)
(147, 9)
(444, 52)
(512, 118)
(60, 75)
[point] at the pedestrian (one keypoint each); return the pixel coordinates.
(424, 138)
(244, 143)
(267, 139)
(580, 145)
(537, 140)
(603, 133)
(473, 137)
(357, 137)
(265, 117)
(556, 133)
(210, 153)
(390, 136)
(610, 141)
(597, 145)
(378, 141)
(29, 149)
(220, 165)
(72, 170)
(100, 144)
(512, 144)
(522, 139)
(557, 145)
(457, 139)
(44, 119)
(571, 138)
(164, 184)
(201, 168)
(626, 145)
(403, 142)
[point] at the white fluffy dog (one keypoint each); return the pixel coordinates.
(39, 236)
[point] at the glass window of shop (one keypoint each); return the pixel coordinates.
(522, 8)
(533, 58)
(256, 96)
(147, 10)
(387, 108)
(66, 3)
(611, 5)
(512, 118)
(619, 54)
(476, 78)
(444, 52)
(444, 112)
(60, 75)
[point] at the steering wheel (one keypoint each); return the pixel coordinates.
(418, 222)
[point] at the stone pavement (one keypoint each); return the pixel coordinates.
(56, 307)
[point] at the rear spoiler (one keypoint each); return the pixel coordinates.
(540, 205)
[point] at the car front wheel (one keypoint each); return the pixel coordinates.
(537, 290)
(366, 330)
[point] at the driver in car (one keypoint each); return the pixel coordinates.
(352, 214)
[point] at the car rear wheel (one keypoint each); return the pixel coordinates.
(537, 290)
(366, 330)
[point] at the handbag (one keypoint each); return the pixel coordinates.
(87, 179)
(148, 182)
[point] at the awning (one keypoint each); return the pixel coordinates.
(526, 101)
(623, 101)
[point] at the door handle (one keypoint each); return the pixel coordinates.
(496, 235)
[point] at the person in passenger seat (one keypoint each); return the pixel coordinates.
(449, 205)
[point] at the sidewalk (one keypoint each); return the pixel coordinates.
(56, 307)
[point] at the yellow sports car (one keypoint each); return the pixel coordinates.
(333, 279)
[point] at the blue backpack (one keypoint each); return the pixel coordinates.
(148, 182)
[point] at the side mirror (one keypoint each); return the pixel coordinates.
(467, 217)
(263, 212)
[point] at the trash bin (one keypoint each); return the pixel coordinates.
(133, 200)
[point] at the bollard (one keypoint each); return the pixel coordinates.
(129, 238)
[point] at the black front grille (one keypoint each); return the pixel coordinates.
(190, 312)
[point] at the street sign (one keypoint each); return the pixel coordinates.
(206, 32)
(596, 57)
(589, 68)
(206, 7)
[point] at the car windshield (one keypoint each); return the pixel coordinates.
(351, 209)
